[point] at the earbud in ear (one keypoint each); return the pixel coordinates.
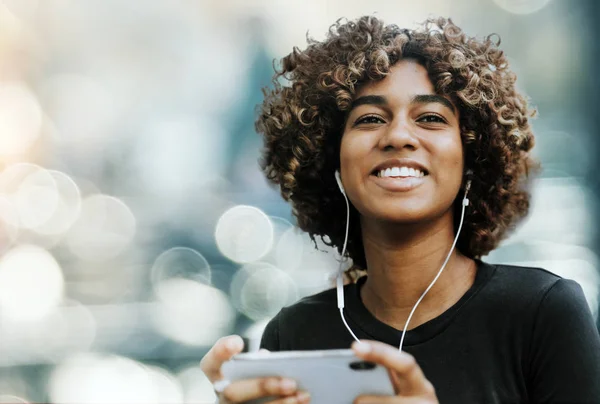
(465, 200)
(468, 174)
(338, 179)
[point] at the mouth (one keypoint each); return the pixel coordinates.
(403, 177)
(400, 172)
(396, 168)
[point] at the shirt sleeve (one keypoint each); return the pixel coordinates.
(270, 337)
(565, 348)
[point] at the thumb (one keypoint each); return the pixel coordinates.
(223, 350)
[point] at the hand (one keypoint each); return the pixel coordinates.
(410, 384)
(284, 391)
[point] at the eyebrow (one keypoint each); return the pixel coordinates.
(417, 99)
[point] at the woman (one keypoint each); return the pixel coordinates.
(412, 120)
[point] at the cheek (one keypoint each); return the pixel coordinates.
(350, 146)
(353, 150)
(447, 157)
(451, 159)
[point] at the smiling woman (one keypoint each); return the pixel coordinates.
(399, 123)
(428, 140)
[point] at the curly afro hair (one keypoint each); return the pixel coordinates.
(302, 123)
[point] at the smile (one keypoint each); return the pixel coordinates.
(398, 183)
(395, 172)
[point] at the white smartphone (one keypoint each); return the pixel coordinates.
(334, 376)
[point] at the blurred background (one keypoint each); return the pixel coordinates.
(135, 225)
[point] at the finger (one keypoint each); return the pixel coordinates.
(251, 389)
(410, 381)
(221, 351)
(301, 397)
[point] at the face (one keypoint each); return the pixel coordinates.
(401, 153)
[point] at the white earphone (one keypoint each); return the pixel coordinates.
(338, 179)
(339, 278)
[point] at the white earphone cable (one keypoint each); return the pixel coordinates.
(346, 324)
(339, 282)
(462, 216)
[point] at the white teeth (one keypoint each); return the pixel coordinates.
(401, 172)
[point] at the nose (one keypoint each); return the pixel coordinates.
(398, 136)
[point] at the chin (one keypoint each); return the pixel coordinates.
(401, 216)
(407, 213)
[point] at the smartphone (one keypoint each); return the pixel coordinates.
(333, 376)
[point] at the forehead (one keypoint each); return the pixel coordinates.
(406, 78)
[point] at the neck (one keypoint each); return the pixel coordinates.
(402, 262)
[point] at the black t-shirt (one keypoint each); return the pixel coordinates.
(518, 335)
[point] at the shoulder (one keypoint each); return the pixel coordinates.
(524, 276)
(548, 318)
(532, 294)
(518, 283)
(508, 294)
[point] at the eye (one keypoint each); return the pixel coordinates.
(369, 119)
(432, 119)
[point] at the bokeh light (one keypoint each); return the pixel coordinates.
(180, 262)
(244, 234)
(104, 228)
(281, 227)
(20, 118)
(290, 249)
(68, 329)
(68, 206)
(32, 191)
(36, 200)
(31, 283)
(168, 388)
(192, 313)
(9, 224)
(106, 379)
(260, 290)
(197, 389)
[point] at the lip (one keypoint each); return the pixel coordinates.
(398, 184)
(400, 162)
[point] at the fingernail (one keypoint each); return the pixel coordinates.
(234, 344)
(288, 385)
(361, 347)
